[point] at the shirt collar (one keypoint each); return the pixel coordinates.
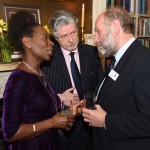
(66, 52)
(123, 49)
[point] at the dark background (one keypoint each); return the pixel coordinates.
(47, 7)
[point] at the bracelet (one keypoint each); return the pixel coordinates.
(34, 129)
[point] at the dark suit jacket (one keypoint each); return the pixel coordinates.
(127, 103)
(57, 74)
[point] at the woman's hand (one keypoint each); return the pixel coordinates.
(62, 121)
(77, 107)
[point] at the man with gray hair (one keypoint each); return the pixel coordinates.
(64, 27)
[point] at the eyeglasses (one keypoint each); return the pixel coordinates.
(66, 36)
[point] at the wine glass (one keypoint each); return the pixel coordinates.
(66, 107)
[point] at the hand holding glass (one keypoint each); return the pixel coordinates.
(67, 107)
(90, 100)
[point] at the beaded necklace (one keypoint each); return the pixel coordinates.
(45, 83)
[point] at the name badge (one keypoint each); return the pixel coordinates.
(113, 74)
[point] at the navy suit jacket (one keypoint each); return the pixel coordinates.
(57, 74)
(90, 65)
(127, 103)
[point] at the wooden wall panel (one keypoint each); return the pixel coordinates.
(47, 7)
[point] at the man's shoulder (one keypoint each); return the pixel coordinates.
(86, 46)
(56, 46)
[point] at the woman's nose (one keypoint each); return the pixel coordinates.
(50, 42)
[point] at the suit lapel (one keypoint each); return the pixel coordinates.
(126, 57)
(83, 62)
(61, 63)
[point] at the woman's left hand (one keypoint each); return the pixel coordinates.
(77, 107)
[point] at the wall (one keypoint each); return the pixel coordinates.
(97, 7)
(48, 6)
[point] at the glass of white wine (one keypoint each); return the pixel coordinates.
(67, 107)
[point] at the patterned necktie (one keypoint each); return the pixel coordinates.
(76, 76)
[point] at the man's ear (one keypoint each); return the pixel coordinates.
(117, 26)
(26, 42)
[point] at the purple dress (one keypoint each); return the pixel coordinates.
(26, 100)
